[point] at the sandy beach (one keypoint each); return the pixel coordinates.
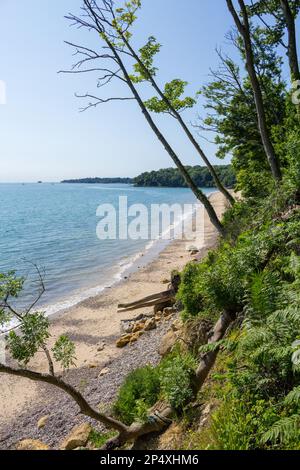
(90, 324)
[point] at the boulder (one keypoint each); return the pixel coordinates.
(136, 336)
(78, 437)
(138, 327)
(150, 324)
(42, 422)
(31, 444)
(167, 343)
(123, 341)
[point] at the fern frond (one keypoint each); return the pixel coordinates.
(284, 430)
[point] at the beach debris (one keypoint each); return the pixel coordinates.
(78, 437)
(104, 372)
(159, 300)
(31, 444)
(43, 421)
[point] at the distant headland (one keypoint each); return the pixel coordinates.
(168, 177)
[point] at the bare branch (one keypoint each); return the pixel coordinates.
(84, 406)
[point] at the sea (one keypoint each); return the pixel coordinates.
(50, 229)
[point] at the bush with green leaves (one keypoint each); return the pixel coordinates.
(140, 390)
(177, 372)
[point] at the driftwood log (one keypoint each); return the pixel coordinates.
(159, 301)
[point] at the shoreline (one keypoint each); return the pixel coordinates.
(89, 324)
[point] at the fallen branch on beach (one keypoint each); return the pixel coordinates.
(159, 299)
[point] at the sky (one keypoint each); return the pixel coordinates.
(43, 134)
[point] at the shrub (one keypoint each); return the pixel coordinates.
(176, 373)
(140, 386)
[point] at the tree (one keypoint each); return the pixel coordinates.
(284, 13)
(112, 26)
(232, 117)
(244, 29)
(168, 101)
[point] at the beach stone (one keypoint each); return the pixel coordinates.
(138, 327)
(150, 324)
(104, 371)
(93, 365)
(168, 311)
(78, 437)
(123, 341)
(192, 249)
(167, 343)
(31, 444)
(42, 422)
(136, 336)
(101, 347)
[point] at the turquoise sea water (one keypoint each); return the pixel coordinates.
(54, 226)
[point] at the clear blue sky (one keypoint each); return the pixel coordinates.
(44, 137)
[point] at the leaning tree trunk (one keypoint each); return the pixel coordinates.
(185, 128)
(244, 30)
(183, 171)
(292, 41)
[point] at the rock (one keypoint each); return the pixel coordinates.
(92, 365)
(136, 336)
(127, 327)
(150, 324)
(42, 422)
(165, 281)
(78, 437)
(158, 317)
(167, 343)
(104, 371)
(123, 341)
(192, 249)
(31, 444)
(138, 327)
(168, 311)
(101, 347)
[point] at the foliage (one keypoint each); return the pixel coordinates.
(33, 332)
(141, 385)
(176, 379)
(64, 352)
(173, 92)
(231, 113)
(98, 439)
(32, 337)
